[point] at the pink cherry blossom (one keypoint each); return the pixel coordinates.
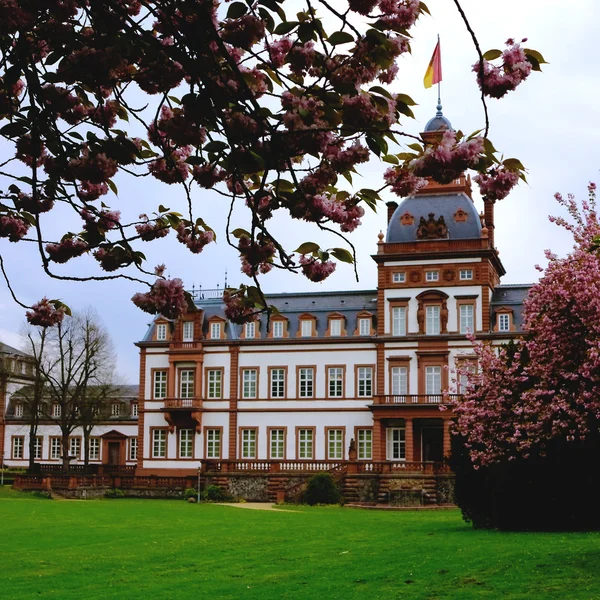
(166, 297)
(45, 314)
(316, 270)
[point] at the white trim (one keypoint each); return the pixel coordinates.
(440, 261)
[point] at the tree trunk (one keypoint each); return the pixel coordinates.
(65, 451)
(32, 435)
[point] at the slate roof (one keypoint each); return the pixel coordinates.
(511, 296)
(445, 205)
(6, 349)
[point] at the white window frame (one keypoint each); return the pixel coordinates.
(364, 379)
(213, 443)
(94, 448)
(215, 330)
(188, 331)
(432, 275)
(399, 277)
(18, 410)
(432, 319)
(503, 322)
(135, 409)
(276, 444)
(249, 383)
(306, 384)
(364, 326)
(399, 376)
(277, 382)
(215, 384)
(249, 444)
(306, 328)
(133, 449)
(186, 443)
(335, 382)
(161, 332)
(250, 330)
(466, 318)
(160, 385)
(56, 411)
(38, 446)
(75, 447)
(365, 444)
(186, 383)
(55, 448)
(335, 444)
(465, 274)
(306, 444)
(335, 327)
(18, 447)
(399, 320)
(159, 443)
(433, 380)
(115, 410)
(278, 329)
(396, 443)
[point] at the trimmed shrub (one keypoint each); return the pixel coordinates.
(114, 493)
(321, 489)
(213, 493)
(190, 493)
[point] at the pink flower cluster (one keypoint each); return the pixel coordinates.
(30, 152)
(149, 230)
(238, 309)
(91, 167)
(402, 181)
(399, 14)
(316, 270)
(40, 205)
(112, 258)
(13, 227)
(360, 112)
(448, 159)
(166, 297)
(68, 248)
(207, 176)
(172, 169)
(104, 220)
(192, 237)
(45, 314)
(257, 255)
(174, 129)
(499, 80)
(344, 160)
(496, 183)
(243, 32)
(278, 51)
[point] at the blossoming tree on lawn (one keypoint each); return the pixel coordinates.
(243, 99)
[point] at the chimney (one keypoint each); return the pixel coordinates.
(489, 219)
(392, 206)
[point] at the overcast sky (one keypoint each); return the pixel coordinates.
(550, 123)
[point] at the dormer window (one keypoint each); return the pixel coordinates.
(134, 409)
(308, 325)
(188, 331)
(399, 277)
(466, 274)
(504, 322)
(161, 332)
(115, 410)
(277, 328)
(307, 328)
(215, 331)
(18, 410)
(250, 330)
(335, 327)
(432, 275)
(56, 412)
(364, 326)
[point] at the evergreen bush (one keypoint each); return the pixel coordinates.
(321, 489)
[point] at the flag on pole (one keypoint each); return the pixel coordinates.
(434, 70)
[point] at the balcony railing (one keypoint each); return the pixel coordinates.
(185, 345)
(189, 403)
(422, 399)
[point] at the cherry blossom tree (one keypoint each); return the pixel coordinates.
(262, 108)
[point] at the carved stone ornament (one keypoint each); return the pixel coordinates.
(407, 219)
(448, 275)
(431, 229)
(415, 276)
(460, 216)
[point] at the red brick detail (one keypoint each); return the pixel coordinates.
(141, 401)
(233, 395)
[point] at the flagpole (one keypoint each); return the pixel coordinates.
(439, 104)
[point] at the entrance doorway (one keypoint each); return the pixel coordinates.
(396, 443)
(432, 444)
(114, 453)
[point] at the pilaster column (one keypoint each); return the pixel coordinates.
(378, 440)
(409, 440)
(446, 433)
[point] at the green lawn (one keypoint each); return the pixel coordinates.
(156, 549)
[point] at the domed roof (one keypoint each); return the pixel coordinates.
(437, 123)
(460, 219)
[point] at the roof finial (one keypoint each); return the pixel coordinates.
(225, 278)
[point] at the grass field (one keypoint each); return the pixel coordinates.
(156, 549)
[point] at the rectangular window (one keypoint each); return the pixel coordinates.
(186, 383)
(306, 328)
(504, 322)
(115, 410)
(365, 382)
(161, 332)
(75, 447)
(215, 389)
(55, 448)
(335, 327)
(396, 443)
(56, 412)
(160, 384)
(399, 320)
(133, 448)
(335, 382)
(250, 330)
(18, 410)
(277, 444)
(335, 444)
(365, 444)
(305, 444)
(94, 448)
(466, 274)
(364, 326)
(186, 443)
(277, 329)
(248, 443)
(18, 444)
(277, 383)
(433, 381)
(249, 383)
(134, 409)
(432, 323)
(307, 377)
(159, 443)
(399, 381)
(215, 331)
(213, 443)
(466, 318)
(399, 277)
(432, 276)
(188, 331)
(37, 448)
